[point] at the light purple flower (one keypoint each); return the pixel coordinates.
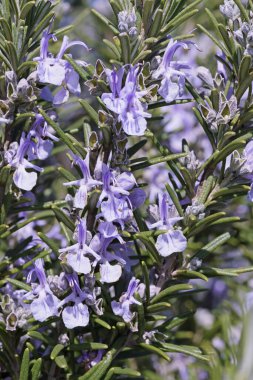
(173, 240)
(172, 78)
(116, 201)
(56, 70)
(85, 184)
(247, 167)
(15, 156)
(250, 193)
(76, 315)
(123, 307)
(45, 304)
(107, 232)
(125, 102)
(230, 10)
(41, 133)
(80, 256)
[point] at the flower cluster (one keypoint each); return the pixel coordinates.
(56, 70)
(36, 144)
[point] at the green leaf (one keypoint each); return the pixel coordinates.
(189, 274)
(244, 67)
(5, 29)
(128, 353)
(160, 306)
(113, 48)
(61, 362)
(49, 242)
(230, 190)
(175, 321)
(19, 284)
(213, 272)
(155, 350)
(88, 346)
(24, 370)
(217, 42)
(214, 21)
(135, 148)
(156, 24)
(26, 66)
(62, 217)
(162, 103)
(12, 54)
(188, 350)
(26, 8)
(146, 278)
(105, 21)
(229, 219)
(67, 174)
(81, 150)
(36, 369)
(141, 56)
(229, 41)
(90, 110)
(56, 350)
(116, 6)
(141, 316)
(236, 144)
(204, 223)
(157, 160)
(175, 199)
(102, 323)
(121, 372)
(147, 14)
(43, 23)
(96, 372)
(125, 47)
(244, 85)
(169, 291)
(180, 19)
(212, 246)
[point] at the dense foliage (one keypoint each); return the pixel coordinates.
(126, 184)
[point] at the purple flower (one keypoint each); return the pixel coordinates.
(116, 201)
(76, 315)
(123, 307)
(45, 304)
(107, 232)
(15, 156)
(76, 255)
(125, 102)
(230, 10)
(173, 240)
(250, 193)
(40, 132)
(247, 167)
(85, 184)
(172, 78)
(57, 71)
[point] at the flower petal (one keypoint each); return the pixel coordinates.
(75, 316)
(171, 242)
(23, 179)
(79, 262)
(110, 273)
